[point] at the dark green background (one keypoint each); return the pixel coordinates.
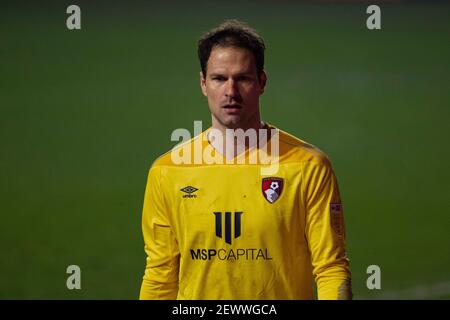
(84, 113)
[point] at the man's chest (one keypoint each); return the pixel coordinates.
(209, 204)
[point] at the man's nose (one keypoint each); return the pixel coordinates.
(232, 89)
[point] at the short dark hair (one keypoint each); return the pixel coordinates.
(231, 33)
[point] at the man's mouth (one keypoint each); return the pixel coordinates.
(232, 109)
(232, 106)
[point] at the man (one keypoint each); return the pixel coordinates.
(225, 231)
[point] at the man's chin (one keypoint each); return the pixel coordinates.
(232, 122)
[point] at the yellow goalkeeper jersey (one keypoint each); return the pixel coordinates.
(226, 231)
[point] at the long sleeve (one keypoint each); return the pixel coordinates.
(160, 280)
(325, 231)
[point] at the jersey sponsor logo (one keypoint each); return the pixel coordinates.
(189, 190)
(225, 230)
(272, 188)
(230, 254)
(337, 219)
(335, 207)
(236, 216)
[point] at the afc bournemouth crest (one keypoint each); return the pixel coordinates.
(272, 188)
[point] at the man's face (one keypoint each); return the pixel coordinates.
(233, 87)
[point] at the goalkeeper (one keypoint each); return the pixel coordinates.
(221, 230)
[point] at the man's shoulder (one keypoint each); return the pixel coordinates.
(167, 158)
(291, 150)
(296, 150)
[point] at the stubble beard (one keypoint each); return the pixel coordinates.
(238, 122)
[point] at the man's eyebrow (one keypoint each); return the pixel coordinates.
(216, 74)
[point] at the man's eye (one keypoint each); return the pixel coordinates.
(219, 78)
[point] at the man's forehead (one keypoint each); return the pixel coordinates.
(226, 58)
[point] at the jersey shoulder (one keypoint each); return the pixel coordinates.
(166, 159)
(293, 149)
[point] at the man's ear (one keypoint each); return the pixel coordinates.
(203, 84)
(262, 81)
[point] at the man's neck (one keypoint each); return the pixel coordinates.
(239, 145)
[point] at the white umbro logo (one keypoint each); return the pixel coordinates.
(189, 190)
